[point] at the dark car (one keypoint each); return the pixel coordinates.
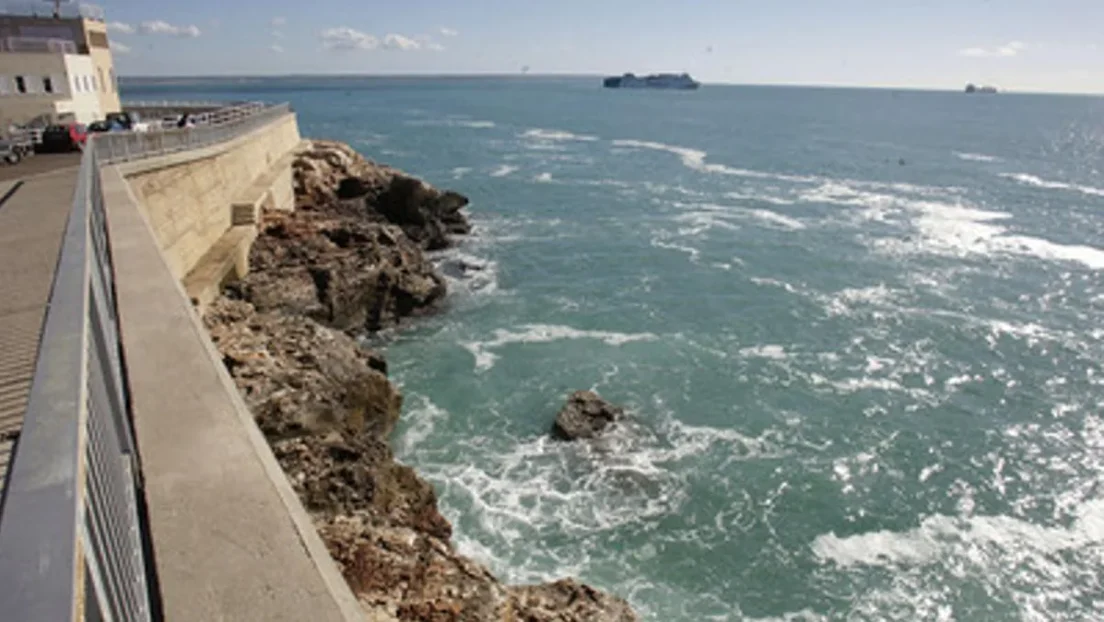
(98, 127)
(69, 137)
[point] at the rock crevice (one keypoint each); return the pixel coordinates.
(350, 260)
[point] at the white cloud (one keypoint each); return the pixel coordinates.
(448, 32)
(399, 42)
(159, 27)
(435, 47)
(278, 34)
(1007, 50)
(126, 29)
(120, 48)
(279, 49)
(345, 38)
(279, 21)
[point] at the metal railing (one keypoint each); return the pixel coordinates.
(38, 8)
(71, 540)
(72, 536)
(37, 44)
(224, 124)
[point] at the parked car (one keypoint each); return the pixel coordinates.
(69, 137)
(99, 127)
(129, 121)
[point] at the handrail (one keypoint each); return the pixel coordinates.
(223, 125)
(71, 532)
(71, 543)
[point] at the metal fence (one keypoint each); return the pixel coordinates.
(71, 540)
(222, 125)
(71, 532)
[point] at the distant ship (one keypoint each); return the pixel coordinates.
(971, 88)
(681, 81)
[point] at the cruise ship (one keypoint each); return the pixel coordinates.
(681, 81)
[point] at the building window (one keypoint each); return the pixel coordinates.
(47, 84)
(20, 84)
(114, 83)
(87, 83)
(98, 40)
(103, 85)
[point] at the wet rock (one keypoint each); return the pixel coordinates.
(585, 415)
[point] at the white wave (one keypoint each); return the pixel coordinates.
(460, 171)
(1038, 182)
(976, 157)
(695, 159)
(765, 198)
(555, 135)
(476, 124)
(424, 415)
(952, 228)
(769, 351)
(775, 218)
(544, 333)
(503, 170)
(467, 123)
(708, 215)
(995, 540)
(543, 178)
(695, 254)
(701, 221)
(467, 274)
(789, 288)
(846, 300)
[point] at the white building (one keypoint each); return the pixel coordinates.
(57, 68)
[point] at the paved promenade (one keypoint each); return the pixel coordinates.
(33, 214)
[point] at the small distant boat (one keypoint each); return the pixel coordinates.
(678, 81)
(972, 88)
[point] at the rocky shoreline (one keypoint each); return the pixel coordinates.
(350, 261)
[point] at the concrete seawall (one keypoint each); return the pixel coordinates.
(230, 538)
(188, 197)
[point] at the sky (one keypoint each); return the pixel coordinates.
(1020, 45)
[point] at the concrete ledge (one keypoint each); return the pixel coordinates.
(229, 257)
(230, 537)
(266, 192)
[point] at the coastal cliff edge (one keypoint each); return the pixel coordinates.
(349, 261)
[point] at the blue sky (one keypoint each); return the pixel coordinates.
(1029, 45)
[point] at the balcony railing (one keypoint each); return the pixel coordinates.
(38, 45)
(38, 8)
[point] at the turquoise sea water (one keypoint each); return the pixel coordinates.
(859, 333)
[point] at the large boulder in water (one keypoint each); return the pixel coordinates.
(585, 415)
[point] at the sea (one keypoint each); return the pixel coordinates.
(858, 334)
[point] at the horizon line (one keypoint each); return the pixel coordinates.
(522, 76)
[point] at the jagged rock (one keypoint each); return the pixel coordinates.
(342, 271)
(334, 267)
(585, 415)
(567, 599)
(327, 172)
(412, 575)
(327, 413)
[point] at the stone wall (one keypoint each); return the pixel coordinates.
(187, 197)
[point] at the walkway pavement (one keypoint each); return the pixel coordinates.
(32, 222)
